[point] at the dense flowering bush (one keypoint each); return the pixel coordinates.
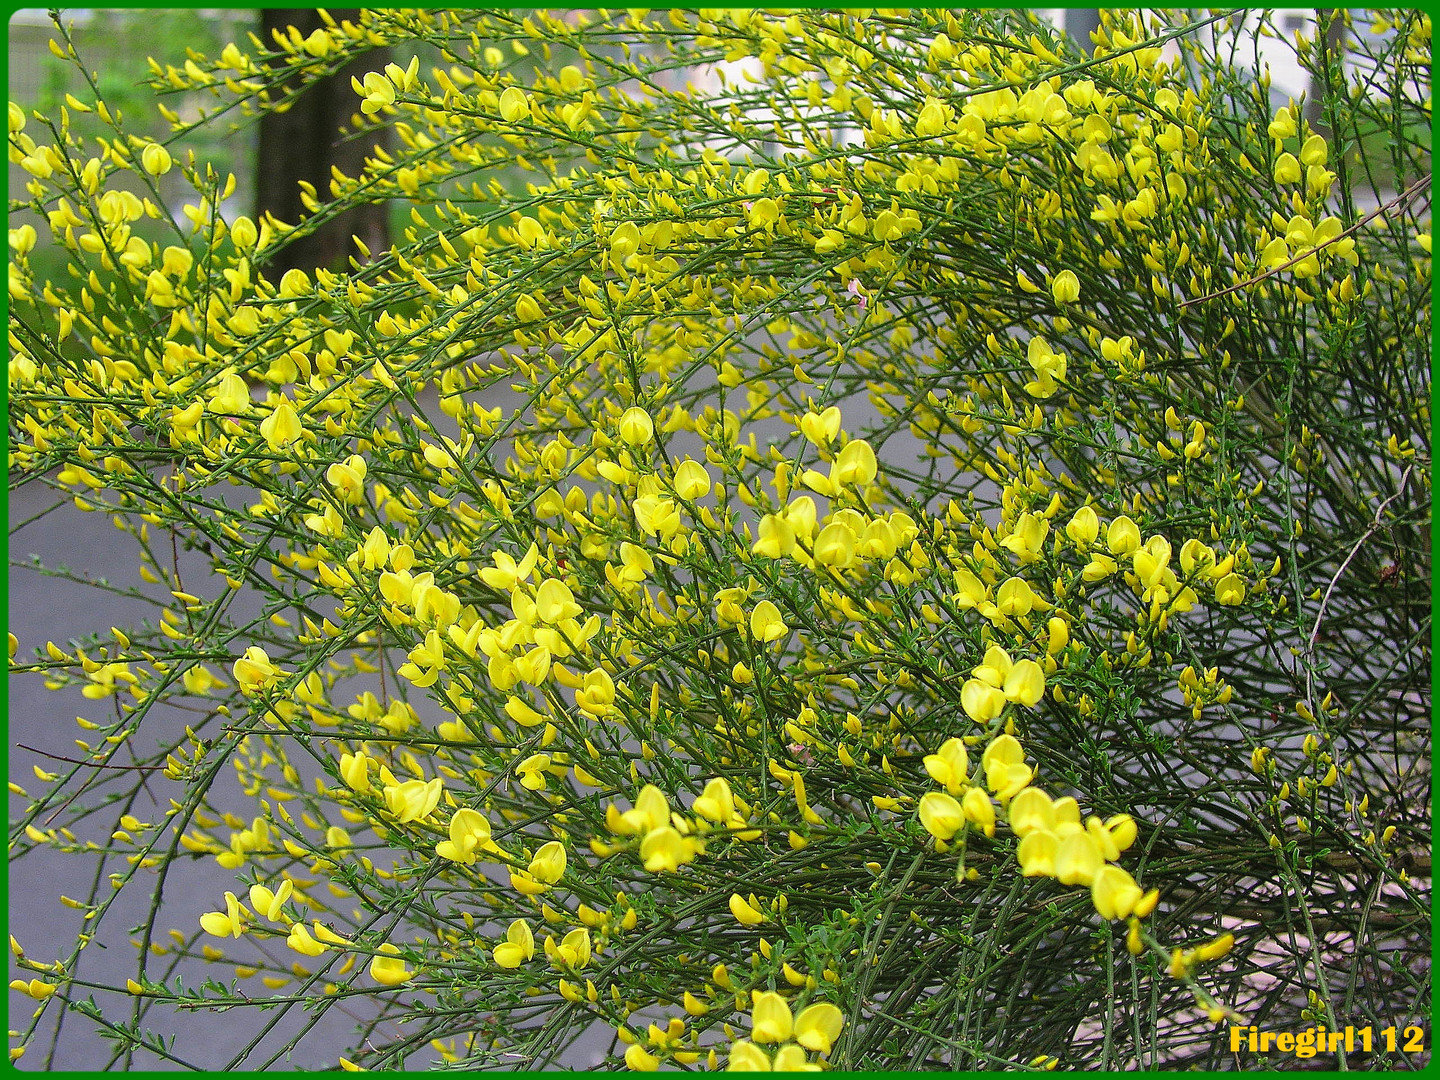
(916, 558)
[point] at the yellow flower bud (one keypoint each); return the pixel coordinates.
(744, 911)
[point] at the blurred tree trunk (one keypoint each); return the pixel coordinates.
(1331, 30)
(1080, 23)
(303, 143)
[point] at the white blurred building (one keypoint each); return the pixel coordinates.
(1287, 78)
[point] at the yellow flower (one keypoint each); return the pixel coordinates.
(413, 799)
(1065, 288)
(244, 234)
(35, 988)
(1036, 852)
(777, 538)
(1028, 537)
(507, 572)
(1058, 636)
(231, 396)
(532, 771)
(636, 427)
(835, 546)
(1049, 367)
(548, 865)
(469, 835)
(348, 479)
(1015, 597)
(763, 213)
(979, 810)
(1083, 527)
(1123, 536)
(514, 105)
(818, 1026)
(355, 771)
(1025, 683)
(980, 701)
(554, 602)
(1275, 253)
(1283, 126)
(1077, 858)
(527, 310)
(388, 969)
(269, 903)
(666, 849)
(377, 92)
(657, 516)
(950, 765)
(1031, 811)
(282, 427)
(802, 516)
(691, 480)
(294, 284)
(227, 923)
(766, 623)
(518, 946)
(253, 672)
(1287, 169)
(1003, 761)
(854, 465)
(573, 951)
(770, 1019)
(746, 1057)
(1314, 152)
(1230, 590)
(1114, 892)
(156, 159)
(994, 667)
(301, 941)
(641, 1060)
(941, 815)
(1214, 950)
(596, 695)
(931, 120)
(821, 428)
(716, 803)
(1122, 831)
(652, 811)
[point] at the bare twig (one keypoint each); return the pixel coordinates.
(1374, 526)
(91, 764)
